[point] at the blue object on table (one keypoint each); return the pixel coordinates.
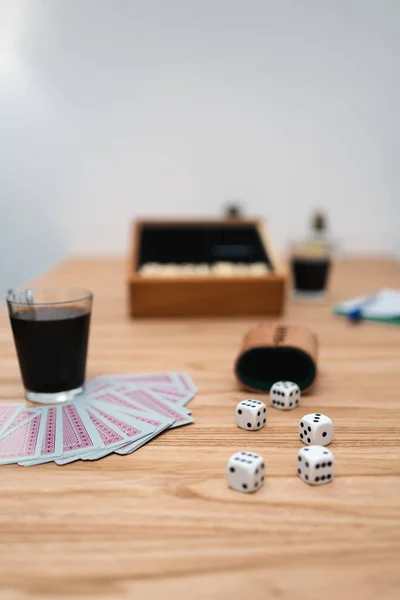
(355, 314)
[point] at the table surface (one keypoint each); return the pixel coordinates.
(162, 523)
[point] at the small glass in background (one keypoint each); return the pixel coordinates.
(51, 334)
(311, 260)
(310, 270)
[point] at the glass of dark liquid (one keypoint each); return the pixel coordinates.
(51, 334)
(310, 270)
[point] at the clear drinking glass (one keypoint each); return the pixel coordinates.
(51, 334)
(310, 264)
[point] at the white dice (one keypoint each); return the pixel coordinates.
(251, 414)
(285, 395)
(315, 465)
(316, 429)
(245, 471)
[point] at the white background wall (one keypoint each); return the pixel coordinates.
(111, 109)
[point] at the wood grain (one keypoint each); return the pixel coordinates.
(162, 523)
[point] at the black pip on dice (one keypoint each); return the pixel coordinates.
(315, 465)
(251, 414)
(285, 395)
(316, 429)
(245, 471)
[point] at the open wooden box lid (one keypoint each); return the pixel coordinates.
(198, 242)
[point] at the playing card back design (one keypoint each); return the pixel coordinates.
(114, 415)
(22, 442)
(147, 420)
(127, 428)
(49, 439)
(151, 402)
(22, 417)
(173, 392)
(75, 433)
(108, 435)
(173, 395)
(112, 398)
(7, 412)
(185, 381)
(146, 379)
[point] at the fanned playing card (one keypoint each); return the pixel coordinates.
(174, 387)
(174, 395)
(159, 422)
(124, 426)
(151, 422)
(24, 442)
(112, 438)
(115, 414)
(24, 415)
(154, 402)
(8, 413)
(185, 382)
(52, 442)
(79, 434)
(146, 379)
(142, 399)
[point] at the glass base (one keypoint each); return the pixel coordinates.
(56, 398)
(309, 295)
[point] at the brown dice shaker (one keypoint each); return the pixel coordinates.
(277, 352)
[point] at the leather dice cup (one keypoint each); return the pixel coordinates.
(273, 353)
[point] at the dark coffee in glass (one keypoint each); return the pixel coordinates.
(51, 338)
(310, 263)
(310, 274)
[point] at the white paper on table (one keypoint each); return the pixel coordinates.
(385, 304)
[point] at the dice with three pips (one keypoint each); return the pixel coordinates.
(316, 429)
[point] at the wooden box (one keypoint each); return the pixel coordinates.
(199, 242)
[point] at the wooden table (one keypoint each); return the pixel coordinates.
(162, 522)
